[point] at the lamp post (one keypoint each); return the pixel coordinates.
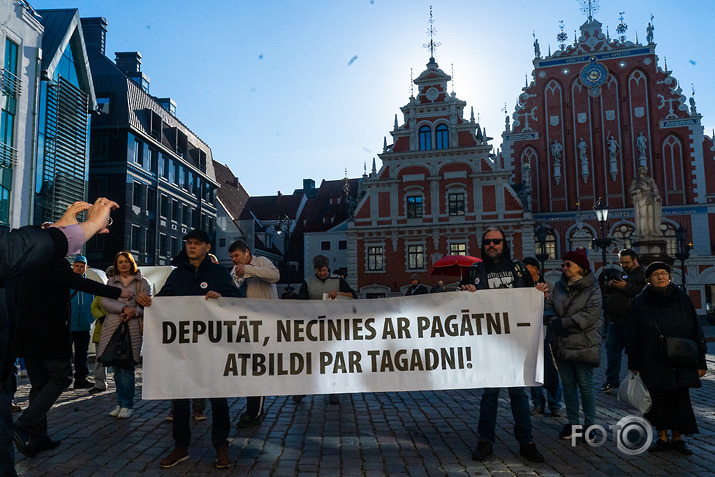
(683, 251)
(283, 227)
(542, 256)
(602, 242)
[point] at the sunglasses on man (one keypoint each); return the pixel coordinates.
(496, 241)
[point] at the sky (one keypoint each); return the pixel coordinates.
(294, 89)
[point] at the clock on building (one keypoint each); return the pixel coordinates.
(593, 76)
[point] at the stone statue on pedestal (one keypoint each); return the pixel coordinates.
(647, 204)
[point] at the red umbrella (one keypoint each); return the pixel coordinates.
(453, 265)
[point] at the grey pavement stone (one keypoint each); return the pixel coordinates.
(369, 434)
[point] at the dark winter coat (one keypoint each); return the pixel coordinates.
(676, 317)
(618, 301)
(477, 276)
(43, 328)
(578, 338)
(187, 280)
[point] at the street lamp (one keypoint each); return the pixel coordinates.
(542, 256)
(683, 251)
(283, 229)
(602, 242)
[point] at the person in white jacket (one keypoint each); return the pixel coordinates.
(255, 277)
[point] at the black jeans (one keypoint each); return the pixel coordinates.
(49, 377)
(220, 426)
(80, 340)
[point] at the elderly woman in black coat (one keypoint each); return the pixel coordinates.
(663, 310)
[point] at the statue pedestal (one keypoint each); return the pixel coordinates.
(651, 249)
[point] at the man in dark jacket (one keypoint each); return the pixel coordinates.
(43, 338)
(620, 293)
(198, 276)
(498, 270)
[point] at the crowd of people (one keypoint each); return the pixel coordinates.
(47, 308)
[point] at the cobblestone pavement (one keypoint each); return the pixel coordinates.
(381, 434)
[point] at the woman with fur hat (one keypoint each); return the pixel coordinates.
(574, 314)
(664, 310)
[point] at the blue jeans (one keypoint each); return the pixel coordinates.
(519, 409)
(615, 343)
(124, 380)
(579, 375)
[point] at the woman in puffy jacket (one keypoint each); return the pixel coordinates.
(127, 277)
(574, 310)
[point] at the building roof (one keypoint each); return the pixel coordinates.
(329, 208)
(231, 193)
(272, 207)
(62, 26)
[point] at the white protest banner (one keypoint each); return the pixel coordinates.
(232, 347)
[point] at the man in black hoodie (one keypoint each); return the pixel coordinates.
(498, 270)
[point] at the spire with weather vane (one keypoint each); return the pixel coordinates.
(622, 28)
(589, 7)
(562, 36)
(431, 31)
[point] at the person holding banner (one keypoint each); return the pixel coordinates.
(498, 270)
(574, 310)
(198, 276)
(256, 277)
(319, 287)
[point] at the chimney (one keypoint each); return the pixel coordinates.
(129, 62)
(95, 32)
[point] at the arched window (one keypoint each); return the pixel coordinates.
(549, 245)
(442, 133)
(581, 238)
(425, 138)
(671, 242)
(622, 236)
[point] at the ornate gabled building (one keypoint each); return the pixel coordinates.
(596, 111)
(438, 188)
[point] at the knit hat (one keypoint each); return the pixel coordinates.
(656, 266)
(578, 257)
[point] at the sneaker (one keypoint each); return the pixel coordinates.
(538, 410)
(223, 460)
(169, 417)
(125, 412)
(96, 390)
(607, 388)
(681, 447)
(179, 454)
(198, 416)
(44, 445)
(483, 451)
(14, 407)
(115, 411)
(660, 446)
(566, 432)
(246, 421)
(531, 452)
(83, 384)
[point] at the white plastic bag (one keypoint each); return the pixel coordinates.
(633, 391)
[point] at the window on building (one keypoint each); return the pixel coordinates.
(154, 160)
(136, 234)
(325, 245)
(549, 246)
(177, 173)
(165, 167)
(139, 153)
(671, 242)
(185, 218)
(458, 249)
(151, 201)
(414, 206)
(415, 256)
(149, 244)
(342, 245)
(456, 203)
(175, 246)
(182, 178)
(210, 225)
(222, 242)
(425, 138)
(103, 104)
(176, 211)
(137, 195)
(375, 259)
(164, 206)
(163, 251)
(442, 136)
(99, 147)
(622, 236)
(8, 111)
